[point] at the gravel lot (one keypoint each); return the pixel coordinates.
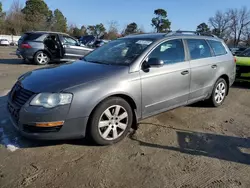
(194, 146)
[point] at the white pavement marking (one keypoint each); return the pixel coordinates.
(4, 92)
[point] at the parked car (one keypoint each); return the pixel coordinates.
(43, 47)
(243, 66)
(99, 42)
(4, 42)
(14, 43)
(119, 84)
(237, 51)
(87, 40)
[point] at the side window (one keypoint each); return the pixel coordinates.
(170, 52)
(198, 48)
(69, 41)
(217, 47)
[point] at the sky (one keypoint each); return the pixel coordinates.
(184, 14)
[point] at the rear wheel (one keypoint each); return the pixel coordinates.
(219, 93)
(110, 121)
(41, 58)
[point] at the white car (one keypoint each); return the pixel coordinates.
(4, 42)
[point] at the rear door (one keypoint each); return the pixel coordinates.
(203, 68)
(72, 48)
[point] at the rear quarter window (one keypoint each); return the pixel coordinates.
(217, 47)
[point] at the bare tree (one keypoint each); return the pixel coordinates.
(112, 30)
(240, 21)
(15, 20)
(220, 24)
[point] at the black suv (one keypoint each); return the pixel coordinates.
(42, 47)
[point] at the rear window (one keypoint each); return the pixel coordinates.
(217, 47)
(31, 36)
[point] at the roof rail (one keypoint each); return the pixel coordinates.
(191, 32)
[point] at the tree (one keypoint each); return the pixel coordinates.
(2, 17)
(96, 30)
(112, 31)
(59, 21)
(240, 21)
(131, 29)
(15, 21)
(203, 28)
(160, 22)
(37, 14)
(220, 24)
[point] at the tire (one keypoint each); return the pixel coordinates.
(104, 127)
(41, 58)
(219, 93)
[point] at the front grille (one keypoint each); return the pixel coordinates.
(20, 96)
(14, 113)
(34, 129)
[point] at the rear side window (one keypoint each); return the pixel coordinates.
(217, 47)
(198, 49)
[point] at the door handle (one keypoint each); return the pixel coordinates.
(185, 72)
(214, 66)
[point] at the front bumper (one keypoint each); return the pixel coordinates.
(24, 121)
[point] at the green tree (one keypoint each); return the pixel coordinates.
(2, 17)
(37, 14)
(131, 29)
(203, 28)
(59, 21)
(96, 30)
(161, 22)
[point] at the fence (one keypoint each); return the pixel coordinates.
(10, 38)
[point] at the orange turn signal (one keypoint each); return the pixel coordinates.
(50, 124)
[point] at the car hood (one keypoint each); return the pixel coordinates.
(58, 78)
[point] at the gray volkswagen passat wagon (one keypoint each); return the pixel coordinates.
(120, 83)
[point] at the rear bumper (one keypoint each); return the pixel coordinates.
(25, 54)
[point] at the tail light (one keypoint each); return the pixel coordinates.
(26, 46)
(235, 60)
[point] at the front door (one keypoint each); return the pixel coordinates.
(166, 87)
(203, 69)
(72, 49)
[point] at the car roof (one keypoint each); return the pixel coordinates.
(45, 32)
(157, 36)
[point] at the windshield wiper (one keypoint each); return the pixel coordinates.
(96, 61)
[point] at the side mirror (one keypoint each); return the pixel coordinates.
(154, 62)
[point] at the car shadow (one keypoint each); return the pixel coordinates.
(241, 85)
(222, 147)
(13, 61)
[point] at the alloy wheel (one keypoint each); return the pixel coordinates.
(220, 92)
(113, 122)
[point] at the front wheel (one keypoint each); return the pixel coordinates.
(219, 93)
(41, 58)
(111, 121)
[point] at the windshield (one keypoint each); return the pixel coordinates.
(121, 51)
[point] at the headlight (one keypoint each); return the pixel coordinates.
(51, 100)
